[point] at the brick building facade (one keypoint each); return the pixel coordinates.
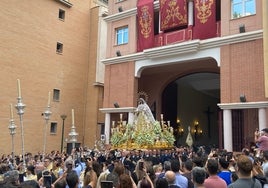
(235, 56)
(52, 46)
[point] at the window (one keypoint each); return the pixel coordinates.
(56, 95)
(242, 8)
(59, 47)
(122, 35)
(53, 127)
(61, 14)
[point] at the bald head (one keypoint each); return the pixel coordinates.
(170, 176)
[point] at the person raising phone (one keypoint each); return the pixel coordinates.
(261, 139)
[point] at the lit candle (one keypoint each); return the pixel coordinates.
(161, 116)
(72, 116)
(171, 129)
(11, 111)
(48, 102)
(18, 87)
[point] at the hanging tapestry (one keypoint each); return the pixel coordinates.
(205, 25)
(145, 21)
(173, 13)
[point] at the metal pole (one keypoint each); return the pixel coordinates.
(45, 142)
(63, 117)
(73, 134)
(12, 128)
(47, 113)
(20, 111)
(20, 108)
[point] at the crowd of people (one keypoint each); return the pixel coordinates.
(178, 167)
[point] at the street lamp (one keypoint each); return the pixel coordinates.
(63, 117)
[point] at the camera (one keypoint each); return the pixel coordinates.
(103, 137)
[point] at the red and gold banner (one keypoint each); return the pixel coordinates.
(205, 25)
(173, 13)
(145, 20)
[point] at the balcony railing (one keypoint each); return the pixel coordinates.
(181, 35)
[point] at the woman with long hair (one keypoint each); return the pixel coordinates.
(125, 181)
(140, 171)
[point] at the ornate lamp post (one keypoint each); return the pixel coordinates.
(20, 111)
(12, 128)
(63, 117)
(46, 114)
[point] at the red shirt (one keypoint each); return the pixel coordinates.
(263, 143)
(215, 181)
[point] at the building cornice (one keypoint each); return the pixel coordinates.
(121, 15)
(231, 39)
(65, 2)
(186, 47)
(98, 84)
(126, 13)
(118, 110)
(170, 50)
(243, 105)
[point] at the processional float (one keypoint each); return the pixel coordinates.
(144, 133)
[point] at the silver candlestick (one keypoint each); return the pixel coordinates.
(12, 128)
(73, 136)
(20, 111)
(47, 113)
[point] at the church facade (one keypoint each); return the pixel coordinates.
(201, 65)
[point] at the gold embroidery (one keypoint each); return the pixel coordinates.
(173, 13)
(163, 2)
(145, 21)
(204, 10)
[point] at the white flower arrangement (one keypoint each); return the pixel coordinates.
(145, 132)
(144, 138)
(169, 137)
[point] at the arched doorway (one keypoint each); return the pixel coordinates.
(186, 92)
(191, 101)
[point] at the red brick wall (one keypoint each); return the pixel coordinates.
(120, 85)
(242, 72)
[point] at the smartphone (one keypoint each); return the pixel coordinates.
(21, 178)
(141, 165)
(47, 181)
(106, 184)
